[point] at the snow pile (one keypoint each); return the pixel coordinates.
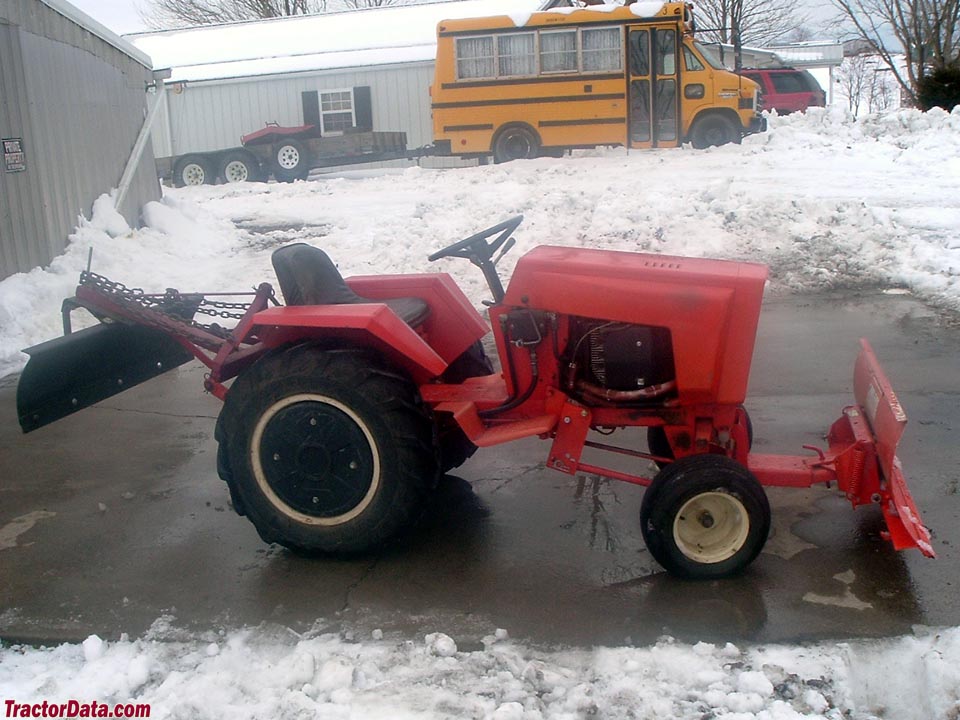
(826, 201)
(274, 673)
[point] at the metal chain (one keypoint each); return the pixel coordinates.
(168, 301)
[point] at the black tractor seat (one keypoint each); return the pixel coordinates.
(308, 276)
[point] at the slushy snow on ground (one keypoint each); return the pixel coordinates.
(827, 202)
(274, 673)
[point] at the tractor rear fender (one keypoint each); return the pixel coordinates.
(453, 324)
(372, 325)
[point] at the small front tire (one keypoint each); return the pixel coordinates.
(705, 517)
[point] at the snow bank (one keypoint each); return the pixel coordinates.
(826, 201)
(274, 673)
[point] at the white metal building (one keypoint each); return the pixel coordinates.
(72, 104)
(230, 80)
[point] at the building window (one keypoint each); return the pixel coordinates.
(336, 111)
(475, 57)
(517, 54)
(558, 51)
(601, 49)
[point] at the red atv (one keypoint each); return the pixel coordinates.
(352, 399)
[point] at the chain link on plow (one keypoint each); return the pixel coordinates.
(172, 303)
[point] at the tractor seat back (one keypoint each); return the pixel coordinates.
(308, 276)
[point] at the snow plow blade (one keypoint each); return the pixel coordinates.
(77, 370)
(864, 442)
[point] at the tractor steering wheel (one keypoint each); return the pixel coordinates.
(476, 246)
(478, 251)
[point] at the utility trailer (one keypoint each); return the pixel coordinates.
(350, 401)
(287, 153)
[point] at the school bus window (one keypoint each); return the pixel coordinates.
(690, 61)
(517, 54)
(601, 49)
(666, 52)
(475, 57)
(558, 51)
(640, 52)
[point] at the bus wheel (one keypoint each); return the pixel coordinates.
(714, 130)
(515, 142)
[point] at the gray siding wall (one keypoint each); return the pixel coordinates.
(213, 115)
(78, 103)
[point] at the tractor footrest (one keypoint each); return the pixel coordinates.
(484, 435)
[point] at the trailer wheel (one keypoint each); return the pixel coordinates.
(239, 166)
(330, 449)
(193, 170)
(455, 447)
(714, 130)
(290, 161)
(515, 142)
(705, 517)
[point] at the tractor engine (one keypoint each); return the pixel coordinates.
(619, 363)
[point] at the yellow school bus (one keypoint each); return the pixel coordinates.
(529, 84)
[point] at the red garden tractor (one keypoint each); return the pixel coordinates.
(349, 401)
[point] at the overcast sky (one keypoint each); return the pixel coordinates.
(118, 15)
(121, 15)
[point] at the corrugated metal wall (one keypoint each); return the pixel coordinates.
(213, 115)
(78, 103)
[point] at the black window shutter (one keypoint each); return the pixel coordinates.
(311, 107)
(363, 108)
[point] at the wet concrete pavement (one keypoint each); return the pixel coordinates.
(115, 516)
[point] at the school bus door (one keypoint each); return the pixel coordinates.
(654, 105)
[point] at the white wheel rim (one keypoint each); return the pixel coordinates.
(235, 171)
(711, 527)
(193, 174)
(288, 157)
(267, 490)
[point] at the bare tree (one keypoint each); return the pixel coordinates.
(759, 22)
(853, 78)
(927, 30)
(161, 14)
(357, 4)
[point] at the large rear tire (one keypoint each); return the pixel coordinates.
(329, 450)
(705, 517)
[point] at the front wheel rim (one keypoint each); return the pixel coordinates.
(711, 527)
(315, 460)
(236, 171)
(288, 157)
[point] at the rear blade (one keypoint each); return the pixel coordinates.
(887, 420)
(77, 370)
